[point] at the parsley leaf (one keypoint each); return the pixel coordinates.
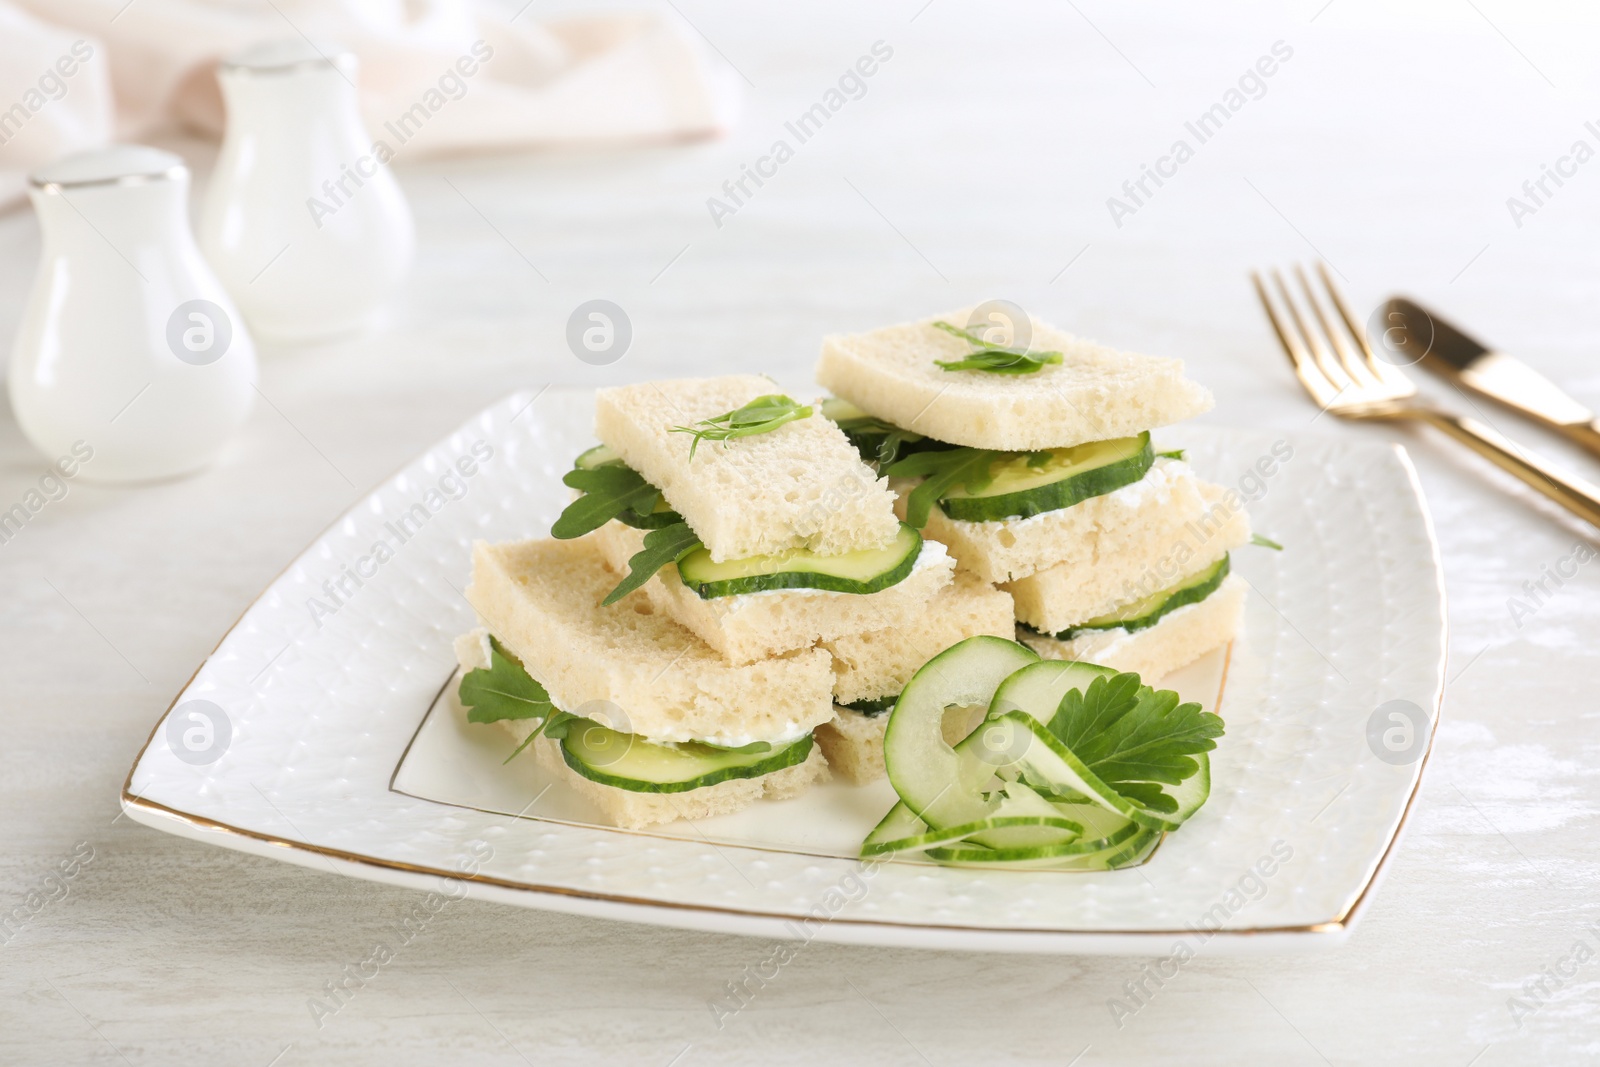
(942, 472)
(608, 492)
(1135, 738)
(1265, 542)
(761, 415)
(667, 545)
(996, 359)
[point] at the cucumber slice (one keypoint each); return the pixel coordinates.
(598, 456)
(1145, 613)
(1031, 483)
(928, 838)
(627, 761)
(865, 571)
(1124, 854)
(900, 822)
(835, 409)
(1044, 762)
(1037, 689)
(1098, 831)
(938, 785)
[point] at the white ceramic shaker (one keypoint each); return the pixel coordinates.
(130, 349)
(303, 219)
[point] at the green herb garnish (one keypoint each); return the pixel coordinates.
(667, 545)
(996, 359)
(1134, 737)
(878, 441)
(762, 415)
(505, 690)
(1176, 453)
(608, 493)
(875, 706)
(1265, 542)
(942, 472)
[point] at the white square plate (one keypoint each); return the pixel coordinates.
(330, 738)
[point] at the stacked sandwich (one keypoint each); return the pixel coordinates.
(728, 566)
(1030, 457)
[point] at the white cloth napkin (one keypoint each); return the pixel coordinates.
(601, 79)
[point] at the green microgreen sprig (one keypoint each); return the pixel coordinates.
(761, 415)
(995, 359)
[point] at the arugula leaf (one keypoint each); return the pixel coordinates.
(875, 706)
(667, 545)
(557, 725)
(942, 472)
(877, 440)
(761, 415)
(1265, 542)
(1176, 453)
(1134, 737)
(996, 359)
(607, 493)
(503, 690)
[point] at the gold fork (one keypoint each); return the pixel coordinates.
(1344, 378)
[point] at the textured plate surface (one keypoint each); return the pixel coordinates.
(454, 762)
(324, 680)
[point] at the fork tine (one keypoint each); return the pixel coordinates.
(1382, 371)
(1350, 323)
(1319, 351)
(1305, 368)
(1359, 372)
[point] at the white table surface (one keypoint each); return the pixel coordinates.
(977, 165)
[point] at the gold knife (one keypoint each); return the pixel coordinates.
(1453, 355)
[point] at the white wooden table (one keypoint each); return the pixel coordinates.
(978, 163)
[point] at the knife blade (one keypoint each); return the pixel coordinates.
(1454, 355)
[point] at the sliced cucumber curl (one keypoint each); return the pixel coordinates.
(1015, 794)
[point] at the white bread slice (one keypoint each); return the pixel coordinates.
(1095, 393)
(1119, 565)
(1178, 639)
(879, 663)
(799, 486)
(634, 811)
(1152, 510)
(853, 743)
(757, 626)
(542, 598)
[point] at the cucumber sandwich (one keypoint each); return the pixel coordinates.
(629, 709)
(727, 566)
(746, 517)
(1034, 465)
